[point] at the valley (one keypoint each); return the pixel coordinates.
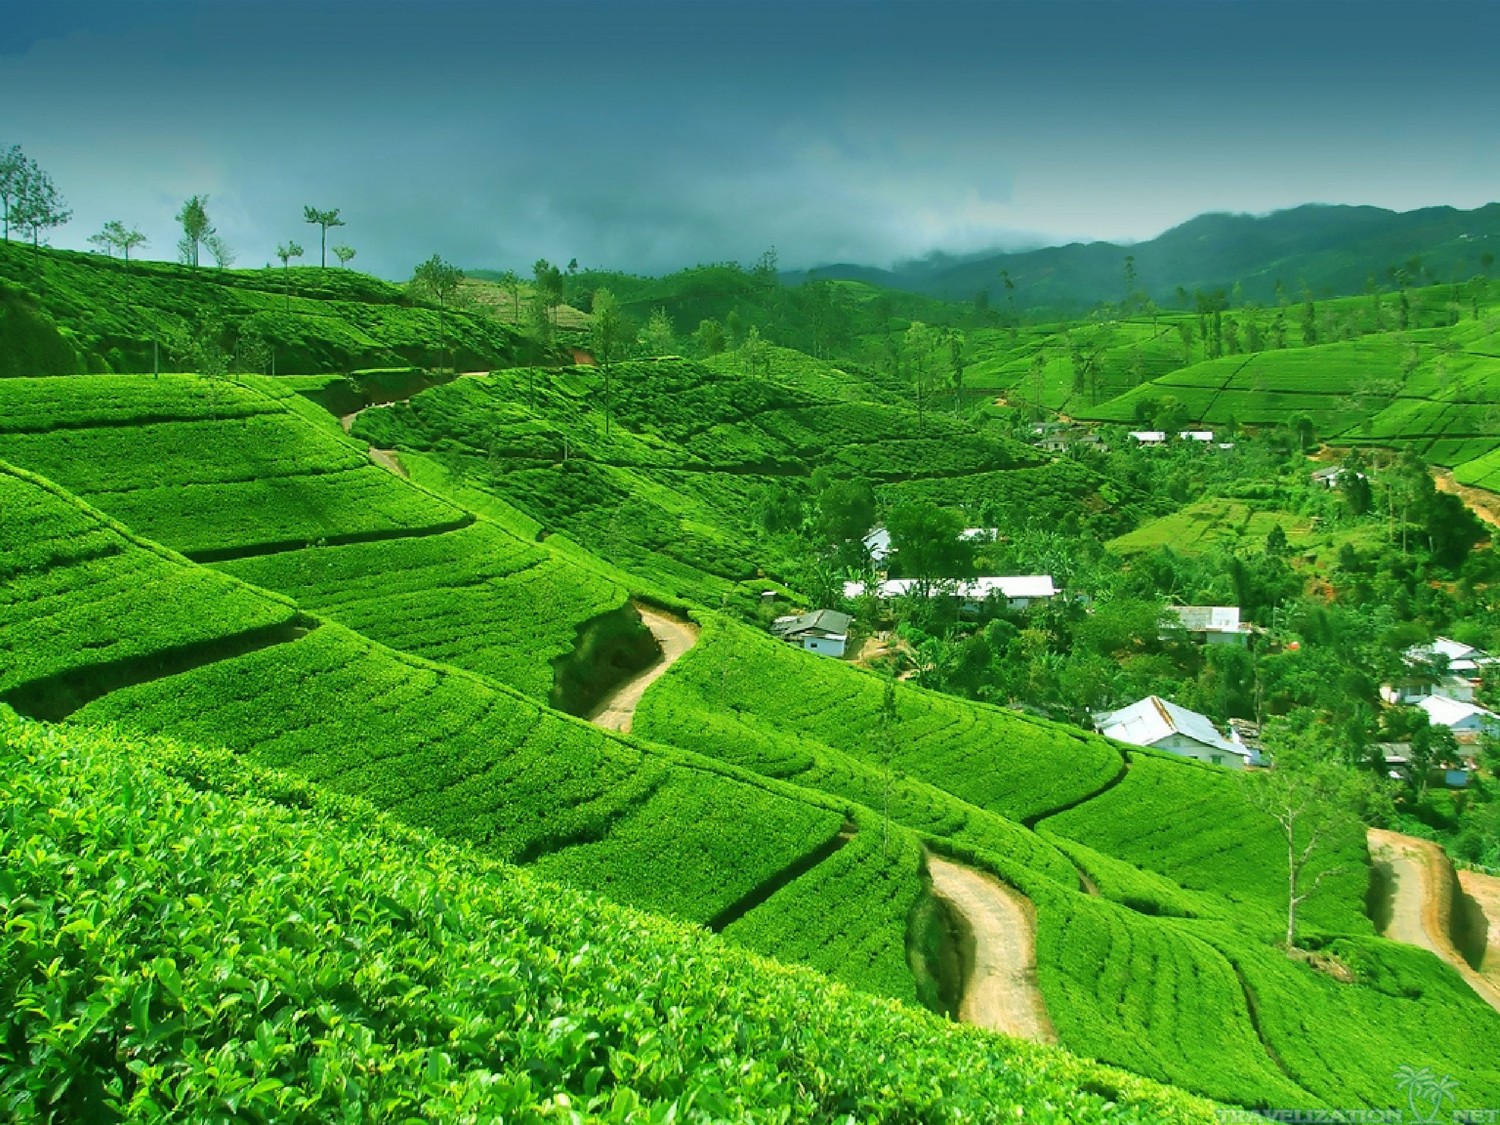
(467, 667)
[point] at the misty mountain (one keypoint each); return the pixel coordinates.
(1326, 249)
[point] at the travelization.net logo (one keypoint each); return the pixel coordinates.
(1430, 1098)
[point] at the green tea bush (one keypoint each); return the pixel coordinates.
(77, 591)
(187, 939)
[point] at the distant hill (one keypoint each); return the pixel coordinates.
(1332, 250)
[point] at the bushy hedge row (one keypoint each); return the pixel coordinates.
(315, 320)
(40, 405)
(1148, 995)
(1195, 825)
(209, 468)
(478, 598)
(178, 945)
(1347, 1043)
(481, 766)
(643, 860)
(78, 591)
(1001, 761)
(849, 915)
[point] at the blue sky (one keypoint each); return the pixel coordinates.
(649, 136)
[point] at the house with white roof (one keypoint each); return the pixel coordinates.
(1212, 624)
(1162, 725)
(824, 630)
(1204, 436)
(1445, 667)
(1018, 591)
(1467, 721)
(1148, 437)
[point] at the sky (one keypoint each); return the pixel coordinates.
(649, 136)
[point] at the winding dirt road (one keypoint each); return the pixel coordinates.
(1420, 910)
(1485, 890)
(1000, 985)
(1484, 504)
(617, 709)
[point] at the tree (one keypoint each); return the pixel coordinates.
(845, 511)
(512, 285)
(37, 205)
(919, 343)
(549, 285)
(195, 229)
(755, 354)
(322, 220)
(709, 337)
(286, 251)
(607, 333)
(1313, 803)
(438, 281)
(927, 542)
(659, 336)
(12, 172)
(956, 366)
(126, 240)
(345, 254)
(222, 254)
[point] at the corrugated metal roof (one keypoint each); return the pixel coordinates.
(1150, 720)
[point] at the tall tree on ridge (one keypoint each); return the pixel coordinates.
(38, 206)
(440, 281)
(195, 229)
(12, 172)
(608, 332)
(322, 220)
(286, 251)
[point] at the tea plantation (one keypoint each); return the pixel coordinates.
(86, 600)
(189, 937)
(314, 712)
(86, 313)
(211, 468)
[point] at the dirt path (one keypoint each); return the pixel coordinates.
(1484, 504)
(1485, 890)
(1420, 914)
(617, 709)
(1000, 986)
(389, 459)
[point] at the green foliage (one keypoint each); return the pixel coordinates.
(1196, 825)
(997, 760)
(479, 598)
(187, 938)
(211, 468)
(315, 320)
(82, 592)
(475, 763)
(849, 916)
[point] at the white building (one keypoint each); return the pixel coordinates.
(1019, 591)
(1445, 668)
(1212, 624)
(1467, 721)
(1204, 436)
(1161, 725)
(824, 631)
(1148, 437)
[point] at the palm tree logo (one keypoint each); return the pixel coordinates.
(1426, 1093)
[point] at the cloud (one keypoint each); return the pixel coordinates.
(649, 136)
